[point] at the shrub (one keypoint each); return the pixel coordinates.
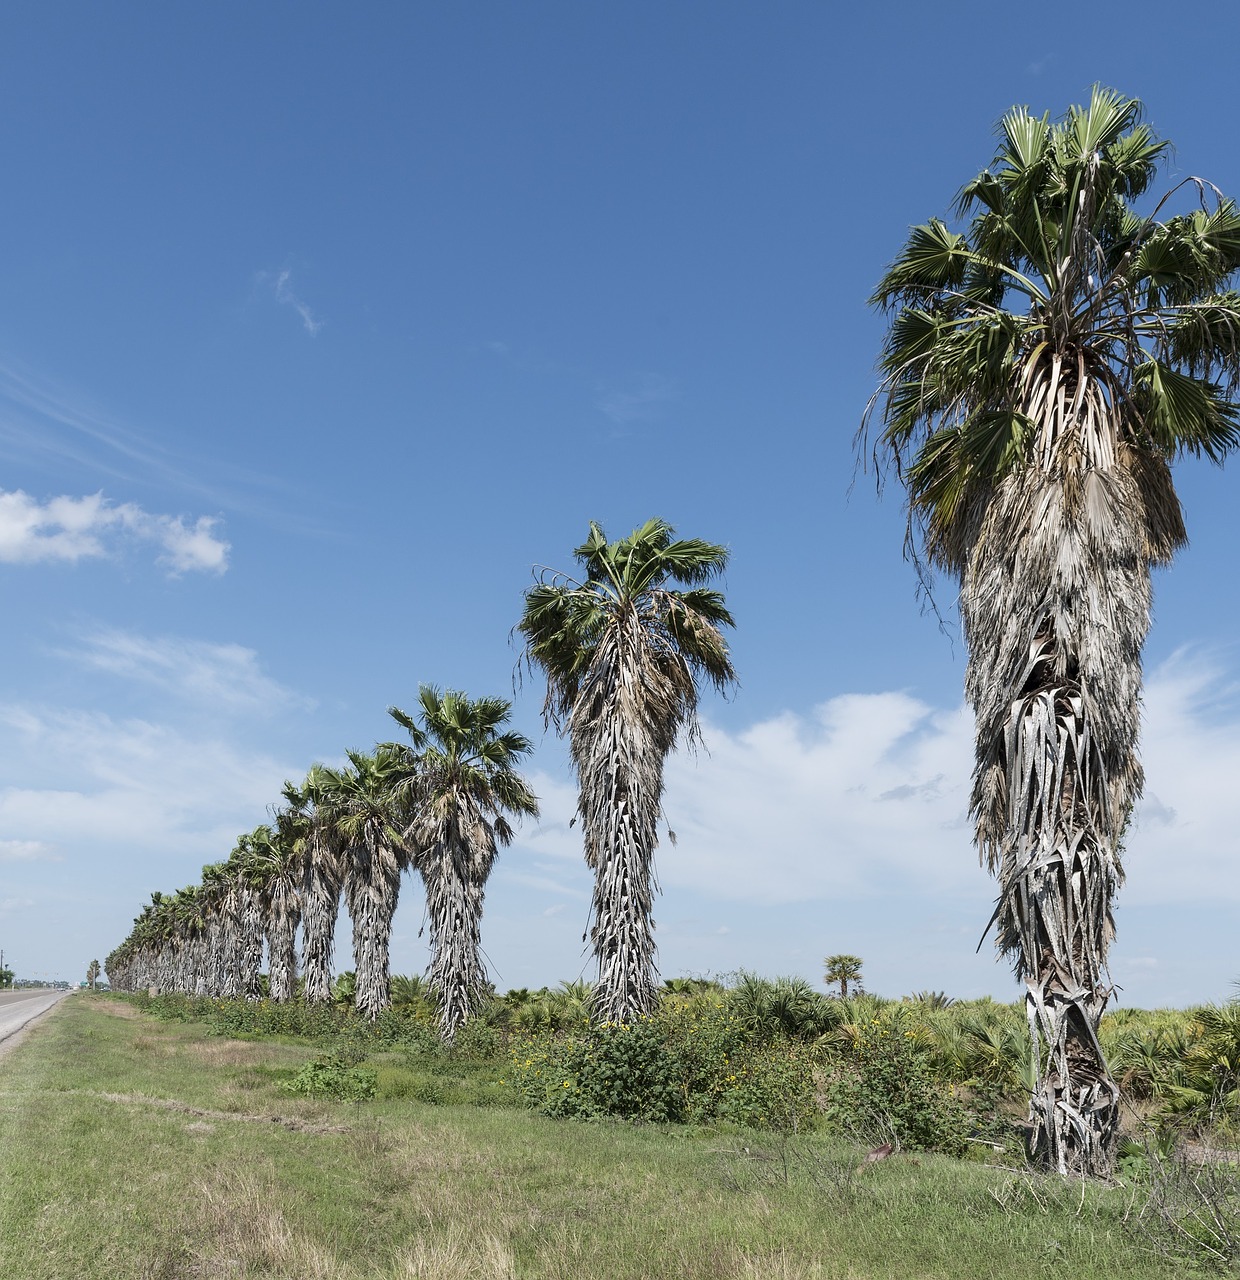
(611, 1070)
(331, 1076)
(691, 1062)
(885, 1090)
(772, 1087)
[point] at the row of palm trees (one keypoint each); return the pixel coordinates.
(438, 804)
(1043, 368)
(623, 651)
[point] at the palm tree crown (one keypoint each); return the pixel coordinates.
(1042, 369)
(623, 651)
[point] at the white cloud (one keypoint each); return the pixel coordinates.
(870, 791)
(222, 676)
(27, 851)
(191, 546)
(71, 529)
(86, 783)
(282, 287)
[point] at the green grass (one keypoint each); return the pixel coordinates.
(133, 1148)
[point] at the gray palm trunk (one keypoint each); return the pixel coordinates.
(230, 943)
(620, 734)
(1056, 605)
(321, 885)
(372, 888)
(250, 948)
(455, 874)
(283, 916)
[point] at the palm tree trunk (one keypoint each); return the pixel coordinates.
(1056, 602)
(454, 899)
(284, 914)
(321, 905)
(619, 754)
(230, 945)
(250, 951)
(372, 887)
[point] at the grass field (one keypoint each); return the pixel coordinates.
(135, 1148)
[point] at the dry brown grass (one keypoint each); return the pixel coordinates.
(250, 1235)
(238, 1053)
(458, 1254)
(118, 1009)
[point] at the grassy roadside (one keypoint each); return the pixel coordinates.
(132, 1148)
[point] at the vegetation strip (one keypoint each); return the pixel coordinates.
(437, 1191)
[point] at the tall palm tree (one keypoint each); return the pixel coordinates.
(623, 652)
(359, 804)
(1042, 369)
(460, 792)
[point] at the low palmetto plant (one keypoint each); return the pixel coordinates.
(769, 1008)
(1203, 1090)
(567, 1007)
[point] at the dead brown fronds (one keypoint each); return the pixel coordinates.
(154, 1046)
(117, 1009)
(230, 1053)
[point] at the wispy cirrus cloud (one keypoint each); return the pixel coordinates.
(221, 676)
(70, 529)
(90, 785)
(641, 399)
(281, 285)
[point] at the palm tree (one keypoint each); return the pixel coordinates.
(623, 653)
(274, 868)
(359, 806)
(843, 969)
(322, 880)
(462, 786)
(1042, 369)
(92, 973)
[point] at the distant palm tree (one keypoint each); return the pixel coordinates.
(322, 881)
(92, 973)
(461, 787)
(1042, 369)
(273, 867)
(623, 652)
(843, 969)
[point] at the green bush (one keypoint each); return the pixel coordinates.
(885, 1090)
(691, 1062)
(478, 1039)
(772, 1087)
(610, 1070)
(332, 1076)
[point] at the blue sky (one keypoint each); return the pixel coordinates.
(319, 327)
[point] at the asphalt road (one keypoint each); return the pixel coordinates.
(18, 1008)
